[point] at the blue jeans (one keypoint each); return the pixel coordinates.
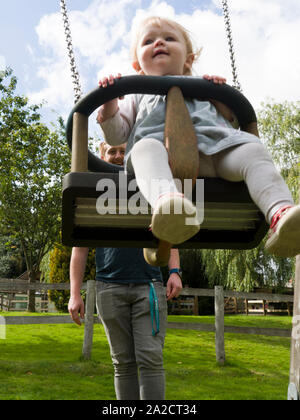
(137, 355)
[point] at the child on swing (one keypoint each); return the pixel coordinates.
(163, 47)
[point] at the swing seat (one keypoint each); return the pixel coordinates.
(231, 219)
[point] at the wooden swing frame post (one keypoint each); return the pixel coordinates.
(181, 143)
(251, 128)
(294, 387)
(80, 143)
(180, 138)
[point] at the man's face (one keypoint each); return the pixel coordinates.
(114, 154)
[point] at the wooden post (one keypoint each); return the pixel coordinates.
(236, 307)
(181, 143)
(80, 143)
(264, 307)
(219, 324)
(158, 257)
(251, 128)
(89, 319)
(246, 306)
(294, 386)
(196, 306)
(180, 138)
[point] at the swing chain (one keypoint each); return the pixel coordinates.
(236, 83)
(74, 72)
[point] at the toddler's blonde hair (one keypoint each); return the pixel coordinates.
(156, 20)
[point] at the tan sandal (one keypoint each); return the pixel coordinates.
(174, 219)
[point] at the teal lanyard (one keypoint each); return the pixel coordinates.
(154, 309)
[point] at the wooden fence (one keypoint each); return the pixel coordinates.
(218, 327)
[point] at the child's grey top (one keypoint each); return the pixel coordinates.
(142, 116)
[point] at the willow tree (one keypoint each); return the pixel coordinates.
(33, 159)
(279, 126)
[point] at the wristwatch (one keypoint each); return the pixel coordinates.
(176, 270)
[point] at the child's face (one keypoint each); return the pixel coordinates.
(162, 51)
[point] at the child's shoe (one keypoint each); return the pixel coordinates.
(174, 219)
(284, 239)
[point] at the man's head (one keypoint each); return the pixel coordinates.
(112, 154)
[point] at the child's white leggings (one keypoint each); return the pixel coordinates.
(249, 162)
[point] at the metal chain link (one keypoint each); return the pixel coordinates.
(236, 83)
(74, 72)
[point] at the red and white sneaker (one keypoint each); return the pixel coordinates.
(284, 237)
(171, 218)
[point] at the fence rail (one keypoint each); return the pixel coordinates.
(188, 291)
(11, 285)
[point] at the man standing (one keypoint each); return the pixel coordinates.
(132, 305)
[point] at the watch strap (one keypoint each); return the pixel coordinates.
(175, 270)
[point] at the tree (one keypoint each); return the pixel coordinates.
(12, 262)
(33, 159)
(279, 127)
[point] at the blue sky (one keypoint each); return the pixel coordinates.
(265, 33)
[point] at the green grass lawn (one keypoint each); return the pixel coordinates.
(44, 362)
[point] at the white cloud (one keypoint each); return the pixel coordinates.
(58, 90)
(265, 35)
(99, 34)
